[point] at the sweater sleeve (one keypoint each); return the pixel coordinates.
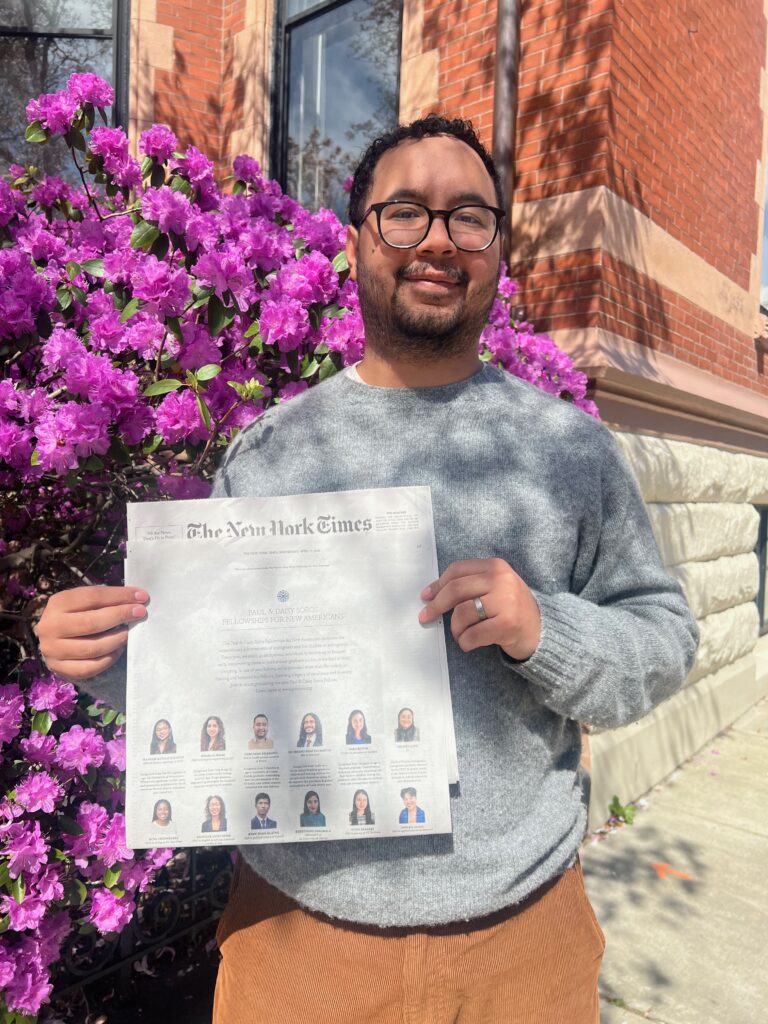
(623, 639)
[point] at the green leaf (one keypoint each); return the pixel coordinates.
(108, 717)
(75, 892)
(68, 825)
(179, 184)
(309, 369)
(160, 247)
(73, 269)
(219, 316)
(340, 263)
(252, 330)
(112, 877)
(94, 267)
(162, 387)
(327, 368)
(314, 317)
(36, 133)
(79, 294)
(93, 710)
(5, 921)
(144, 236)
(118, 452)
(147, 449)
(18, 889)
(321, 349)
(146, 165)
(75, 140)
(41, 722)
(44, 324)
(174, 326)
(208, 372)
(5, 878)
(64, 298)
(333, 312)
(158, 176)
(93, 464)
(120, 720)
(204, 413)
(128, 310)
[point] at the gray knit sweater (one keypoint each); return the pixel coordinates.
(518, 475)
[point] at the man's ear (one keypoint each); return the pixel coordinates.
(353, 239)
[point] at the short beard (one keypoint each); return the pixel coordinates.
(394, 331)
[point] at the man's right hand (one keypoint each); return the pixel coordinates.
(83, 631)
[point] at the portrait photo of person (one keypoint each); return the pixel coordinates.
(312, 816)
(311, 731)
(406, 731)
(212, 736)
(361, 813)
(411, 814)
(162, 738)
(161, 814)
(261, 819)
(260, 739)
(215, 815)
(357, 731)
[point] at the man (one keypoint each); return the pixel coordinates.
(260, 730)
(262, 802)
(558, 609)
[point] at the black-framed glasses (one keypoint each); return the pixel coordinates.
(402, 224)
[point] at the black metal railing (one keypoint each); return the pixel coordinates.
(187, 895)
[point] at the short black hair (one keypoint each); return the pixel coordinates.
(422, 128)
(262, 796)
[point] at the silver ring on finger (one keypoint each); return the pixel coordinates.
(482, 614)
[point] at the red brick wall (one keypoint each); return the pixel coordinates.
(464, 32)
(189, 97)
(659, 103)
(565, 112)
(594, 289)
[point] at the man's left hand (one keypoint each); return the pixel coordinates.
(512, 621)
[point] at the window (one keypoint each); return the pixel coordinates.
(339, 89)
(762, 557)
(42, 42)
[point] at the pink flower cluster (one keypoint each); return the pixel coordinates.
(41, 855)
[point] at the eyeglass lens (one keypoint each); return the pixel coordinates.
(406, 224)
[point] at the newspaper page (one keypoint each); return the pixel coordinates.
(282, 688)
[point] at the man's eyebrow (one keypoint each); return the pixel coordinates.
(456, 199)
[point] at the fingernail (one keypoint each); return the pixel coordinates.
(423, 615)
(140, 595)
(427, 592)
(139, 611)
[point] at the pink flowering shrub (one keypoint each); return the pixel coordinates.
(145, 318)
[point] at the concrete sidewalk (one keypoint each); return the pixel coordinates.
(687, 943)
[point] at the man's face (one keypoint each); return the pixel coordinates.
(262, 806)
(432, 299)
(310, 726)
(260, 727)
(410, 801)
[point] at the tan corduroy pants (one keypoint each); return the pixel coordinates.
(533, 964)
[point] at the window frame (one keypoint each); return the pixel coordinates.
(120, 36)
(283, 25)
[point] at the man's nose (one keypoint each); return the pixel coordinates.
(437, 238)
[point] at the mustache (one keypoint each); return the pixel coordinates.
(447, 270)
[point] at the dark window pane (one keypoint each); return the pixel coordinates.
(342, 93)
(55, 15)
(31, 66)
(294, 7)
